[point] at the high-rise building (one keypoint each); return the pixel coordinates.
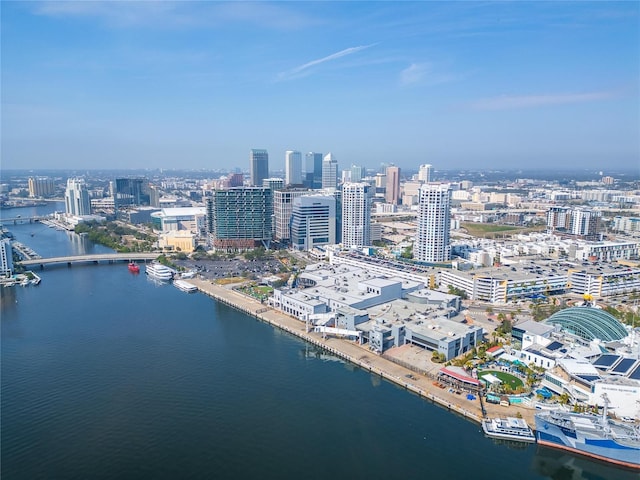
(282, 208)
(434, 223)
(329, 171)
(6, 258)
(259, 166)
(424, 173)
(76, 198)
(234, 180)
(313, 170)
(357, 173)
(293, 167)
(578, 222)
(273, 183)
(356, 214)
(131, 191)
(239, 218)
(313, 221)
(392, 190)
(41, 187)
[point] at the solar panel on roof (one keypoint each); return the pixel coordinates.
(635, 375)
(589, 378)
(606, 360)
(624, 365)
(554, 346)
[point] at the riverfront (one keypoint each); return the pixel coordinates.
(107, 375)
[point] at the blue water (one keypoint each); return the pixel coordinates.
(108, 375)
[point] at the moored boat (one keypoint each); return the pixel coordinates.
(159, 271)
(592, 435)
(509, 428)
(184, 286)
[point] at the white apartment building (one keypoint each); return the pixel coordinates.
(76, 198)
(313, 221)
(432, 237)
(329, 171)
(356, 214)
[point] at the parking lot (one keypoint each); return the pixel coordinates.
(237, 267)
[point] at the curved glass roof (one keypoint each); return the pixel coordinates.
(588, 323)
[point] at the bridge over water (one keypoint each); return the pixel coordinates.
(94, 258)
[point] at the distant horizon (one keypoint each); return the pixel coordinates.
(464, 85)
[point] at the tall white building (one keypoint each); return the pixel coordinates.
(6, 258)
(293, 167)
(432, 236)
(283, 201)
(313, 221)
(76, 198)
(424, 174)
(329, 171)
(356, 214)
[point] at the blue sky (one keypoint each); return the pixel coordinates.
(198, 84)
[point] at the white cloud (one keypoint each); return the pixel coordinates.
(426, 75)
(301, 70)
(507, 102)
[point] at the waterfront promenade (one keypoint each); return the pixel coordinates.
(362, 356)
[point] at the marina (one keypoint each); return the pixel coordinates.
(184, 286)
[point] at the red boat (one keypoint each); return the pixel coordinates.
(134, 268)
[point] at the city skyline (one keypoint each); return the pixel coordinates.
(197, 85)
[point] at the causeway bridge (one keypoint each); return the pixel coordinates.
(94, 258)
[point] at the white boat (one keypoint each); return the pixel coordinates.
(509, 428)
(188, 274)
(159, 271)
(184, 286)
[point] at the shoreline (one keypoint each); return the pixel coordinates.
(362, 357)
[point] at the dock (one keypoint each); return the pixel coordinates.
(361, 356)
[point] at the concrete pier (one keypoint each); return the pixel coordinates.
(361, 356)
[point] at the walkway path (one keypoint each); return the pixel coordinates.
(361, 356)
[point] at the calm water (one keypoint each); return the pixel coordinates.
(108, 375)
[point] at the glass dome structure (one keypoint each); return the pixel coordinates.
(589, 323)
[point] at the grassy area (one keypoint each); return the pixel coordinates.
(491, 230)
(506, 378)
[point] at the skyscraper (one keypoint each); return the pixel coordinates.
(259, 166)
(239, 218)
(313, 221)
(130, 191)
(313, 170)
(392, 191)
(6, 258)
(356, 214)
(76, 198)
(282, 208)
(329, 171)
(432, 236)
(293, 167)
(41, 187)
(357, 173)
(424, 174)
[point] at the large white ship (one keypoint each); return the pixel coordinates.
(159, 271)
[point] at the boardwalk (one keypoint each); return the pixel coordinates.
(361, 356)
(96, 258)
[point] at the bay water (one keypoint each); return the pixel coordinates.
(106, 374)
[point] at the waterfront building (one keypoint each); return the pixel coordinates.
(76, 198)
(130, 191)
(6, 258)
(41, 187)
(424, 173)
(313, 170)
(283, 201)
(258, 166)
(313, 221)
(432, 236)
(191, 219)
(239, 218)
(293, 167)
(329, 171)
(392, 188)
(356, 214)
